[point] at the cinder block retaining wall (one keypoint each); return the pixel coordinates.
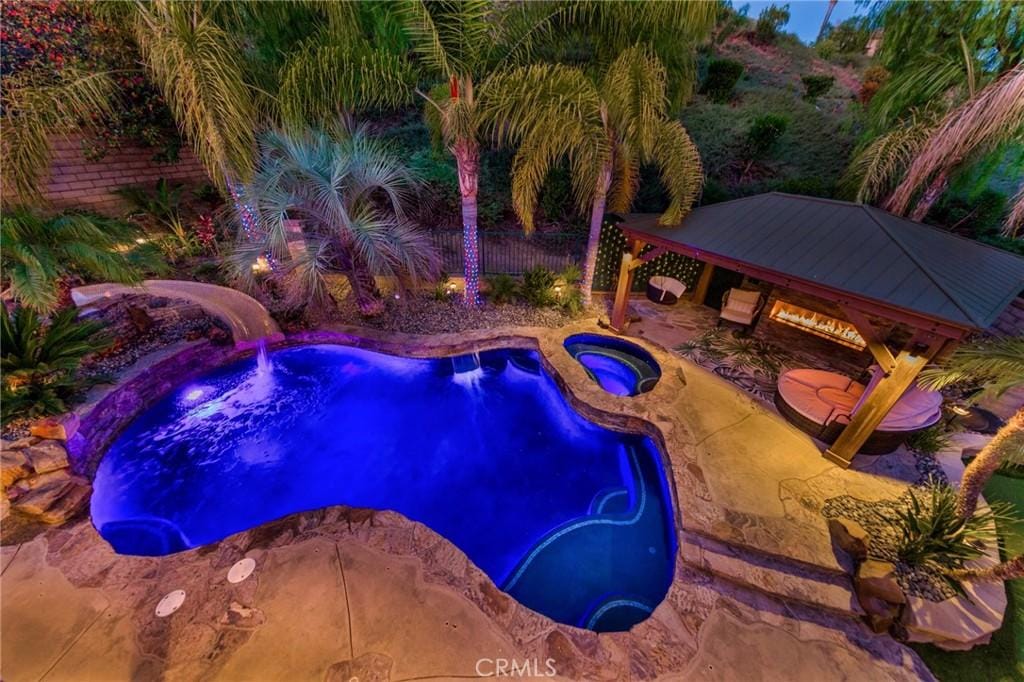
(78, 182)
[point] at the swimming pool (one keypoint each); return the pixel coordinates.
(570, 518)
(620, 367)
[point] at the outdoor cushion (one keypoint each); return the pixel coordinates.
(743, 296)
(662, 289)
(824, 397)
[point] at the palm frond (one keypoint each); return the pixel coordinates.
(200, 73)
(980, 124)
(681, 171)
(34, 113)
(996, 364)
(877, 168)
(1015, 217)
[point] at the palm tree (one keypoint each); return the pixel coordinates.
(34, 112)
(41, 254)
(460, 44)
(199, 70)
(999, 365)
(348, 192)
(992, 116)
(607, 127)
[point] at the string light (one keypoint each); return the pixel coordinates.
(469, 246)
(247, 216)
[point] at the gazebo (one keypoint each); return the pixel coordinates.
(867, 262)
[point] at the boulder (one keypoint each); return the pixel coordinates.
(38, 481)
(46, 456)
(56, 428)
(140, 319)
(37, 502)
(849, 536)
(69, 505)
(877, 579)
(14, 466)
(879, 614)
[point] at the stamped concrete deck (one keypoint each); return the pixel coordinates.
(759, 591)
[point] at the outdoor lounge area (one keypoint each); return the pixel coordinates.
(455, 339)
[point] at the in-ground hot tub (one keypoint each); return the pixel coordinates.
(620, 367)
(572, 519)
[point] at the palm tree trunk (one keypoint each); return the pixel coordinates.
(467, 158)
(364, 286)
(1009, 440)
(596, 221)
(930, 196)
(1008, 570)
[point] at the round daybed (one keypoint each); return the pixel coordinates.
(822, 403)
(665, 290)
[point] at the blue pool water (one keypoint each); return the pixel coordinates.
(570, 518)
(620, 367)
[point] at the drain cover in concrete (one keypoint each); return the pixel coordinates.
(241, 570)
(171, 602)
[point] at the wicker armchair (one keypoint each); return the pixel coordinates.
(741, 306)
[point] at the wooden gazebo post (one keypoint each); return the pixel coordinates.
(900, 372)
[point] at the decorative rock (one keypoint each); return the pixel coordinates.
(69, 505)
(849, 536)
(55, 428)
(39, 480)
(140, 319)
(878, 593)
(48, 455)
(39, 501)
(14, 465)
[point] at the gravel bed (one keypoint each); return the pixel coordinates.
(424, 314)
(878, 518)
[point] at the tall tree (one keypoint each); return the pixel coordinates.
(606, 127)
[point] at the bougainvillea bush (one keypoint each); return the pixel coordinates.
(40, 39)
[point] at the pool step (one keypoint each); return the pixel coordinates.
(775, 575)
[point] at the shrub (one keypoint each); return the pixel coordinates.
(537, 286)
(874, 78)
(39, 360)
(771, 19)
(930, 533)
(816, 85)
(503, 289)
(571, 273)
(764, 133)
(928, 441)
(443, 288)
(723, 74)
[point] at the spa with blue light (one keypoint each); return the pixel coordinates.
(570, 518)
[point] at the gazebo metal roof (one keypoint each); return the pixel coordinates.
(847, 251)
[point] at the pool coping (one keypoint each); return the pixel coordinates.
(659, 414)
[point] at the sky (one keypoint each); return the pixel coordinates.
(805, 15)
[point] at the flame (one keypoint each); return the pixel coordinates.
(825, 326)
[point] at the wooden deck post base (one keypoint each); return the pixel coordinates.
(619, 318)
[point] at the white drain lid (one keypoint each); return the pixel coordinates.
(241, 570)
(171, 602)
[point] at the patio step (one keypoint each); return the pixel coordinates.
(772, 574)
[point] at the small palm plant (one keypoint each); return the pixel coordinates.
(607, 126)
(41, 254)
(39, 360)
(348, 191)
(932, 534)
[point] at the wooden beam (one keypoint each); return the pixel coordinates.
(648, 257)
(619, 318)
(701, 292)
(885, 394)
(876, 345)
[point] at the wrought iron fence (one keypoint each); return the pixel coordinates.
(512, 252)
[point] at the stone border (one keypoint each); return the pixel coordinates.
(660, 414)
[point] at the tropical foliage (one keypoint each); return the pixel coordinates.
(606, 127)
(39, 360)
(349, 194)
(41, 254)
